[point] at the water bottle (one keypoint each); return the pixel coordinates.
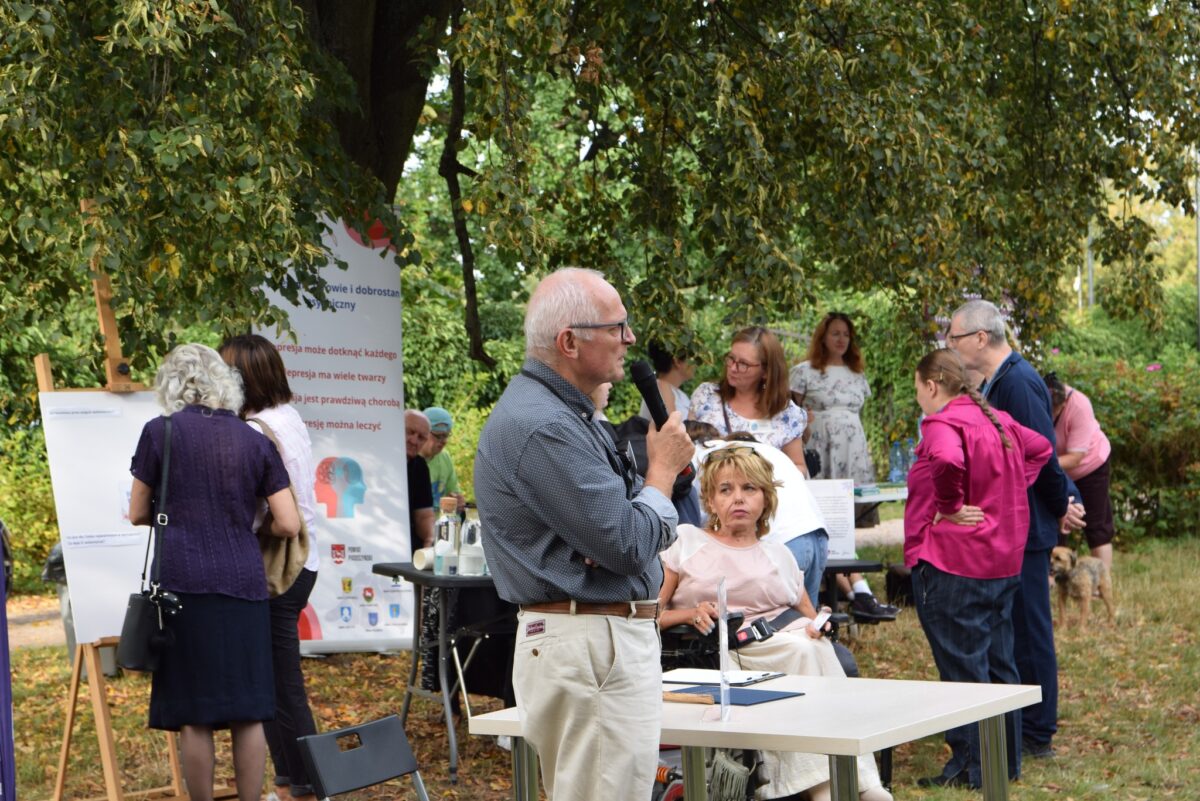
(470, 556)
(446, 543)
(896, 462)
(910, 455)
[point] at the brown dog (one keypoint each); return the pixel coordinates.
(1080, 577)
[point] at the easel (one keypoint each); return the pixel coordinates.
(116, 369)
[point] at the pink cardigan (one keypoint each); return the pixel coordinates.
(961, 460)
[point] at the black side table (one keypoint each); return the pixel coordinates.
(426, 578)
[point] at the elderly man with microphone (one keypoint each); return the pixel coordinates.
(573, 537)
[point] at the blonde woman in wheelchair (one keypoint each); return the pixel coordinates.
(738, 491)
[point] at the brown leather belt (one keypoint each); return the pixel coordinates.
(639, 610)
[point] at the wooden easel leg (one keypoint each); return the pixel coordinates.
(173, 758)
(72, 697)
(104, 731)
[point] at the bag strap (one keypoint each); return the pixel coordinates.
(159, 522)
(269, 433)
(725, 414)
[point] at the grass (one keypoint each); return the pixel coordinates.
(1129, 705)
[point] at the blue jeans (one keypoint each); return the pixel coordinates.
(811, 551)
(969, 625)
(1034, 633)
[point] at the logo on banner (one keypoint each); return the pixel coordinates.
(347, 585)
(338, 552)
(372, 618)
(394, 611)
(368, 594)
(346, 613)
(340, 486)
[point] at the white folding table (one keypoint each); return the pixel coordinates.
(840, 717)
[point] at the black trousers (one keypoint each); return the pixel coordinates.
(293, 718)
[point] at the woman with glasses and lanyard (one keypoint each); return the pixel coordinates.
(753, 395)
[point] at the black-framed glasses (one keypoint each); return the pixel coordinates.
(955, 337)
(622, 324)
(737, 365)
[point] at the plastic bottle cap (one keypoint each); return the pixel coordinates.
(448, 504)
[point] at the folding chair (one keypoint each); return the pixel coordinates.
(359, 756)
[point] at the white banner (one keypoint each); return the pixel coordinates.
(344, 368)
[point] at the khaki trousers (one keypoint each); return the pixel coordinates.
(589, 692)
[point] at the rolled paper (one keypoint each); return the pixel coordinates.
(423, 559)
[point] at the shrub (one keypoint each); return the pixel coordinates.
(1148, 412)
(27, 504)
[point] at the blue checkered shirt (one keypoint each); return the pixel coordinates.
(550, 493)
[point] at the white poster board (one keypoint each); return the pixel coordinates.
(344, 368)
(90, 438)
(835, 499)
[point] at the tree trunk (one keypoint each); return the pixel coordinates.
(388, 48)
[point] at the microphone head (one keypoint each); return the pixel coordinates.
(640, 370)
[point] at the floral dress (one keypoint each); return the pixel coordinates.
(836, 398)
(775, 431)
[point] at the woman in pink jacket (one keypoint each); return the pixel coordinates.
(965, 527)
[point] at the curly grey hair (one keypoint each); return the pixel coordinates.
(982, 315)
(196, 374)
(562, 298)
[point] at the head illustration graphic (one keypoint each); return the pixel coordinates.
(340, 485)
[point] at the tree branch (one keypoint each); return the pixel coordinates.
(449, 168)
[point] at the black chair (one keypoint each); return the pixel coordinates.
(359, 756)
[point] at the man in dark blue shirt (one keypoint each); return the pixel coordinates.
(978, 334)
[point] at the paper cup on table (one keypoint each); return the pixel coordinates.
(423, 559)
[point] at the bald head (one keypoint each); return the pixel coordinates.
(416, 432)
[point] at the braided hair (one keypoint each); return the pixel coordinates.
(945, 368)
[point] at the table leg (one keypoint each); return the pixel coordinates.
(695, 784)
(993, 754)
(525, 771)
(843, 778)
(443, 596)
(416, 655)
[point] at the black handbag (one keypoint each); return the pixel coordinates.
(144, 633)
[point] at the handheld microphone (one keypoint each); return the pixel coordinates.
(647, 384)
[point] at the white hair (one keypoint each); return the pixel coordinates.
(982, 315)
(196, 374)
(561, 299)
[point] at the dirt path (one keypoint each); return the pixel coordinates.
(33, 621)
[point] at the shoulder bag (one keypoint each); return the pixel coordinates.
(283, 557)
(144, 634)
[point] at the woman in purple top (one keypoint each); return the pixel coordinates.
(216, 673)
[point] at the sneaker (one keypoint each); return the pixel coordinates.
(957, 780)
(1035, 750)
(865, 607)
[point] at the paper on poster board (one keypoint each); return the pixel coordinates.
(835, 499)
